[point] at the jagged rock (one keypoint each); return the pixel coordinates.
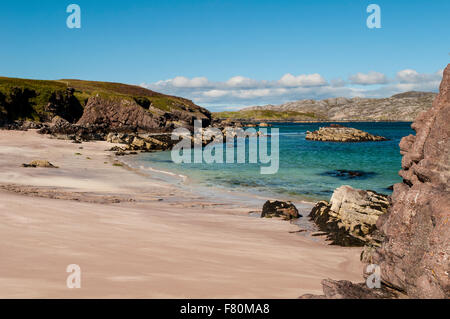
(58, 121)
(119, 113)
(415, 253)
(142, 142)
(342, 134)
(40, 163)
(65, 130)
(350, 217)
(344, 289)
(276, 208)
(120, 138)
(414, 256)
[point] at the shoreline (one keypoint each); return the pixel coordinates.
(186, 182)
(136, 236)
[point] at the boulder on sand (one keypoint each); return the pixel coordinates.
(350, 217)
(276, 208)
(40, 163)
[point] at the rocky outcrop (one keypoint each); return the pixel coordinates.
(350, 217)
(415, 254)
(342, 134)
(285, 210)
(141, 142)
(119, 114)
(344, 289)
(61, 128)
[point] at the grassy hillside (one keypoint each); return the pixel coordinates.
(37, 100)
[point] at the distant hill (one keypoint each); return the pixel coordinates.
(39, 100)
(400, 107)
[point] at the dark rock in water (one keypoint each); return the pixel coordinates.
(391, 188)
(350, 217)
(276, 208)
(346, 174)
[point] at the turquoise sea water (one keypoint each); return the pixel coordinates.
(309, 170)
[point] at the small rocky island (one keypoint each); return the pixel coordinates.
(338, 133)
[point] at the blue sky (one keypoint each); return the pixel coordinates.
(226, 54)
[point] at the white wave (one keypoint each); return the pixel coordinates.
(151, 169)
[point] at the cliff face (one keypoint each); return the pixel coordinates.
(415, 254)
(118, 113)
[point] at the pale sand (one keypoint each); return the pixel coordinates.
(181, 247)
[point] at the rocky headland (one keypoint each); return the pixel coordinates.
(86, 110)
(141, 119)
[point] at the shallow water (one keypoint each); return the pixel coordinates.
(309, 170)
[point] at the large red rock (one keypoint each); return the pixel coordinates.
(415, 254)
(118, 113)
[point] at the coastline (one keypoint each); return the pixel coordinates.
(241, 196)
(135, 235)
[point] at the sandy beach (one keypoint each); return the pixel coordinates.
(137, 236)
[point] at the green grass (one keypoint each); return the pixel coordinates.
(34, 106)
(261, 115)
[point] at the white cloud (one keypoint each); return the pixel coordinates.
(181, 81)
(412, 76)
(370, 78)
(240, 81)
(290, 80)
(215, 93)
(243, 91)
